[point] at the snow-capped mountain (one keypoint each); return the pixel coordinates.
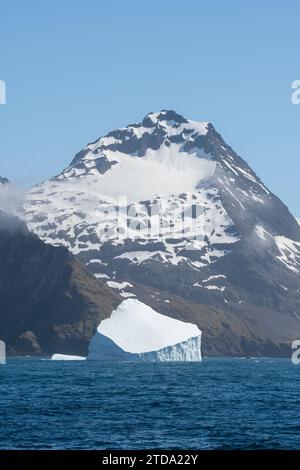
(166, 204)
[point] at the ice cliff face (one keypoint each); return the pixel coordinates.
(136, 332)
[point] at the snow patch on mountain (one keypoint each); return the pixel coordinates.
(118, 285)
(163, 172)
(289, 253)
(83, 221)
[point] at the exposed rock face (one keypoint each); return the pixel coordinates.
(244, 267)
(27, 344)
(48, 301)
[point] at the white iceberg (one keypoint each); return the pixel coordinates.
(136, 332)
(66, 357)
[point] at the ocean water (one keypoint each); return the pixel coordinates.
(216, 404)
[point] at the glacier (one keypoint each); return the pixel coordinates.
(136, 332)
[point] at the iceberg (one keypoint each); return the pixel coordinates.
(136, 332)
(66, 357)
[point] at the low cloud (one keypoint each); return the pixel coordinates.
(12, 198)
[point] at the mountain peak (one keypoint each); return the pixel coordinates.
(156, 130)
(165, 115)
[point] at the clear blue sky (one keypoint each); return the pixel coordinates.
(75, 69)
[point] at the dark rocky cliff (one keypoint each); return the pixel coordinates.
(48, 301)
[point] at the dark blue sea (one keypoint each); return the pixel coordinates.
(216, 404)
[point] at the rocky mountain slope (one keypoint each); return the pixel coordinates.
(48, 301)
(167, 208)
